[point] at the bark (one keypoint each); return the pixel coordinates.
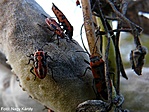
(21, 36)
(89, 27)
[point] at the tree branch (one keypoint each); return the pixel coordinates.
(21, 36)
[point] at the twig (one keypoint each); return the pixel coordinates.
(107, 77)
(89, 27)
(136, 30)
(98, 32)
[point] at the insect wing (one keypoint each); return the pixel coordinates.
(41, 72)
(60, 16)
(40, 66)
(64, 21)
(54, 26)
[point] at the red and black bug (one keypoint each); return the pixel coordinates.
(63, 21)
(54, 26)
(97, 67)
(40, 66)
(78, 3)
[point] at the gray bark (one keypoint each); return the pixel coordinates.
(21, 36)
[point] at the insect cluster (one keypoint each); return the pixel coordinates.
(102, 79)
(63, 29)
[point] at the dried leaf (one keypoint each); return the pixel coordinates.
(137, 59)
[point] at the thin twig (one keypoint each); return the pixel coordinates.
(136, 30)
(107, 77)
(110, 31)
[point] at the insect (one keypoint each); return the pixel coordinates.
(39, 59)
(49, 110)
(97, 67)
(115, 42)
(78, 3)
(63, 21)
(54, 26)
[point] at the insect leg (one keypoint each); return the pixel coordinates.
(44, 27)
(86, 61)
(52, 74)
(95, 89)
(30, 61)
(49, 110)
(31, 70)
(47, 56)
(44, 15)
(30, 55)
(85, 71)
(57, 40)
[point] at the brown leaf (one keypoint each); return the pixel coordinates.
(137, 59)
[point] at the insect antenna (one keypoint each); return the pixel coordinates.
(44, 15)
(94, 48)
(43, 45)
(86, 51)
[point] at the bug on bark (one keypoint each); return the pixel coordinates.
(63, 21)
(40, 65)
(54, 26)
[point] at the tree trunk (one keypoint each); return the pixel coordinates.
(21, 36)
